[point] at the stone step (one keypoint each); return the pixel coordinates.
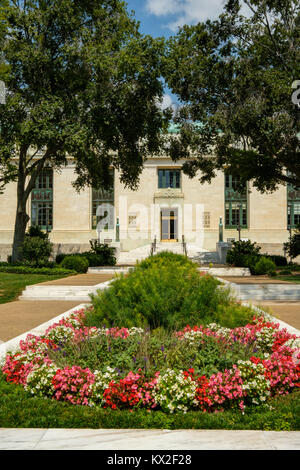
(285, 292)
(139, 254)
(48, 292)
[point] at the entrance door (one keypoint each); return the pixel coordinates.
(169, 225)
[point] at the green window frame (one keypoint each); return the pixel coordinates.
(103, 207)
(168, 178)
(236, 203)
(293, 206)
(42, 200)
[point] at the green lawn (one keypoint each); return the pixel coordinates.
(12, 285)
(295, 278)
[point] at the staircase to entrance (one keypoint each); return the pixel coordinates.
(138, 254)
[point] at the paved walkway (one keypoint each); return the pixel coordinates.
(21, 316)
(80, 280)
(155, 439)
(254, 280)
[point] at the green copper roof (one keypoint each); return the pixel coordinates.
(175, 128)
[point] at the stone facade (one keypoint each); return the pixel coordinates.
(196, 208)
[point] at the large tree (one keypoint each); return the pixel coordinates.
(82, 82)
(234, 79)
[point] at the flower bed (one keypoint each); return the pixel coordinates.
(270, 369)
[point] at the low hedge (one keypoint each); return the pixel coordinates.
(77, 263)
(20, 269)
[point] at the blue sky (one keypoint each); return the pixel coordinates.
(163, 17)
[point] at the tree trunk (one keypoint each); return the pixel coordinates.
(22, 217)
(23, 193)
(21, 221)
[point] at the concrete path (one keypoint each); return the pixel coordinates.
(79, 280)
(254, 280)
(131, 439)
(24, 315)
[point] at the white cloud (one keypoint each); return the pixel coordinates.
(163, 7)
(167, 102)
(187, 11)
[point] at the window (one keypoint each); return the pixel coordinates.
(169, 179)
(206, 219)
(236, 204)
(42, 200)
(293, 209)
(103, 208)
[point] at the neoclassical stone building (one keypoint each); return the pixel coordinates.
(167, 206)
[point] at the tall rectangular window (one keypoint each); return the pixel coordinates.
(103, 210)
(42, 200)
(293, 206)
(236, 203)
(169, 179)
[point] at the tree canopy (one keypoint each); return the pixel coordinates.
(82, 82)
(234, 78)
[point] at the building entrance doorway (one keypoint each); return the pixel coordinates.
(169, 225)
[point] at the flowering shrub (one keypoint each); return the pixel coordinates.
(39, 380)
(225, 389)
(73, 384)
(272, 369)
(132, 391)
(255, 385)
(101, 383)
(175, 391)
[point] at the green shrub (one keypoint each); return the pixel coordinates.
(95, 259)
(243, 254)
(292, 247)
(277, 259)
(59, 257)
(233, 314)
(101, 254)
(165, 294)
(36, 248)
(76, 263)
(264, 266)
(165, 258)
(272, 273)
(36, 231)
(285, 272)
